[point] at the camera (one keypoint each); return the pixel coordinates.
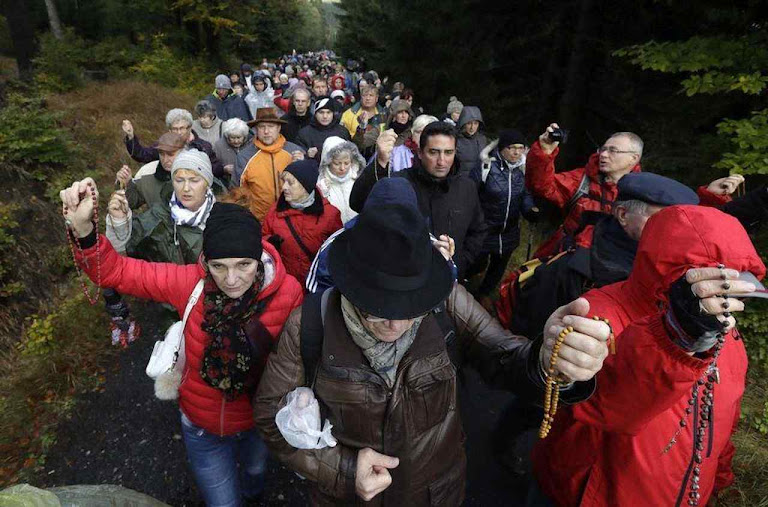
(558, 135)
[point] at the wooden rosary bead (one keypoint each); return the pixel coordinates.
(75, 246)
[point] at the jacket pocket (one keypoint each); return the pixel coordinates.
(431, 397)
(347, 407)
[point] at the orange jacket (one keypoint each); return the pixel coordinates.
(261, 177)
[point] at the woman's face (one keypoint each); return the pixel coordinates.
(324, 117)
(235, 141)
(471, 127)
(341, 164)
(409, 100)
(292, 189)
(455, 116)
(190, 188)
(206, 120)
(513, 152)
(402, 117)
(233, 276)
(182, 128)
(260, 86)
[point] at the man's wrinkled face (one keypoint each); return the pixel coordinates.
(438, 154)
(369, 100)
(617, 155)
(167, 158)
(320, 88)
(267, 132)
(300, 103)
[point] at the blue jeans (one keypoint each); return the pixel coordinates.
(225, 468)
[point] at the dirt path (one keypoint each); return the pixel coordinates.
(126, 436)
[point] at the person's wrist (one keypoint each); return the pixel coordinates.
(81, 230)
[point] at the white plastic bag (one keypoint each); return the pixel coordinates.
(299, 421)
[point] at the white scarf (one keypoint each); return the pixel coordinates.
(339, 179)
(183, 216)
(306, 203)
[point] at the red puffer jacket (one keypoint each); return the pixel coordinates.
(173, 284)
(558, 188)
(312, 229)
(609, 450)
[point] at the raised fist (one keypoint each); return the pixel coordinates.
(384, 146)
(78, 201)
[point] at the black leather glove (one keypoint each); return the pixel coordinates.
(691, 327)
(276, 240)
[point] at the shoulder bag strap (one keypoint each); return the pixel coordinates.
(295, 235)
(582, 191)
(190, 304)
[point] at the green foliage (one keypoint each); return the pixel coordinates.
(749, 138)
(38, 340)
(753, 324)
(8, 222)
(59, 63)
(31, 138)
(719, 65)
(161, 65)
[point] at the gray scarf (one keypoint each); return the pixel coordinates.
(384, 357)
(306, 203)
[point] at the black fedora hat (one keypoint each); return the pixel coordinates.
(386, 265)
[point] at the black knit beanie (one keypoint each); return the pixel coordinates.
(306, 171)
(509, 137)
(231, 231)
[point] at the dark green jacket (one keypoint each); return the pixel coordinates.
(154, 237)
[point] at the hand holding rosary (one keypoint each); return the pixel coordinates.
(72, 200)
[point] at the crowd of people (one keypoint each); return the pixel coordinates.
(354, 246)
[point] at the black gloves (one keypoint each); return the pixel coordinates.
(691, 328)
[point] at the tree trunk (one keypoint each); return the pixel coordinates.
(53, 18)
(22, 35)
(577, 75)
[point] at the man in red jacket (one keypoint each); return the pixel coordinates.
(657, 431)
(592, 187)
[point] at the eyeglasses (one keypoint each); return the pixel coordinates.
(612, 151)
(374, 320)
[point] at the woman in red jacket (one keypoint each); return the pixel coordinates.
(228, 335)
(302, 219)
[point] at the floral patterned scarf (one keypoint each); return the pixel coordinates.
(228, 358)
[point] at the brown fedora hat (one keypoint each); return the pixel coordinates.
(266, 114)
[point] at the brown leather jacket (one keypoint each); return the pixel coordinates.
(417, 420)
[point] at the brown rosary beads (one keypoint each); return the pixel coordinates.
(74, 244)
(552, 392)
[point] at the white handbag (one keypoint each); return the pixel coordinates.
(166, 365)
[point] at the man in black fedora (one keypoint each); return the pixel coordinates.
(375, 352)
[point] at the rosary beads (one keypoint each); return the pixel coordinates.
(74, 246)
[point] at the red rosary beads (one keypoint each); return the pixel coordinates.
(73, 244)
(552, 392)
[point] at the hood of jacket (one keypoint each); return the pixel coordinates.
(704, 237)
(397, 106)
(358, 162)
(468, 114)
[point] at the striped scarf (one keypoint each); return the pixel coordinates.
(183, 216)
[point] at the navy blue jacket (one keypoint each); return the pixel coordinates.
(504, 198)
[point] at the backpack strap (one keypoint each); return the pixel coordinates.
(581, 191)
(311, 335)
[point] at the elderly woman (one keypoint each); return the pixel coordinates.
(340, 164)
(208, 125)
(262, 94)
(324, 124)
(235, 136)
(301, 220)
(246, 298)
(180, 122)
(403, 154)
(167, 232)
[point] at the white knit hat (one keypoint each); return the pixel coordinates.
(196, 161)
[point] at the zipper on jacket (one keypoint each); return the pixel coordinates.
(274, 176)
(509, 203)
(695, 425)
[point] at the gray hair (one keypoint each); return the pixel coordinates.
(634, 206)
(204, 107)
(175, 115)
(301, 89)
(634, 140)
(234, 127)
(422, 121)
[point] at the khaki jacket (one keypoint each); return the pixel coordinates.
(417, 420)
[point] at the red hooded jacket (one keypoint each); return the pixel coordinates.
(312, 229)
(170, 283)
(609, 450)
